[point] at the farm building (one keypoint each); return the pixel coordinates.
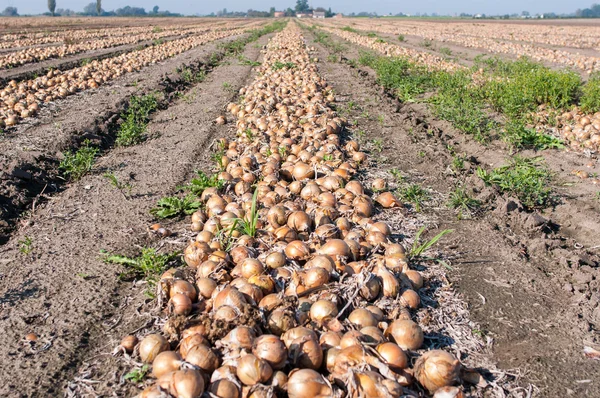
(279, 14)
(319, 14)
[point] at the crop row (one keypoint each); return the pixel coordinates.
(536, 104)
(486, 37)
(292, 287)
(23, 99)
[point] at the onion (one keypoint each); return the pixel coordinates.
(393, 356)
(128, 342)
(203, 357)
(187, 383)
(436, 369)
(240, 337)
(181, 286)
(151, 346)
(307, 383)
(407, 334)
(448, 392)
(306, 352)
(180, 304)
(252, 370)
(190, 341)
(166, 362)
(410, 299)
(271, 349)
(224, 388)
(323, 310)
(297, 250)
(362, 317)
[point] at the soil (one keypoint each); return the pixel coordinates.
(530, 279)
(62, 290)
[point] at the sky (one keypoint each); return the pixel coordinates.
(442, 7)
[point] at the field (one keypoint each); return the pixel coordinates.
(259, 207)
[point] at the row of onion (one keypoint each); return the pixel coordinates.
(318, 300)
(74, 46)
(19, 100)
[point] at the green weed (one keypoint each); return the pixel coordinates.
(172, 206)
(417, 249)
(77, 164)
(137, 375)
(414, 194)
(136, 118)
(114, 181)
(461, 201)
(590, 96)
(249, 224)
(26, 245)
(283, 65)
(198, 184)
(526, 178)
(518, 136)
(149, 265)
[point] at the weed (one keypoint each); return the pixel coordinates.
(590, 96)
(445, 51)
(332, 58)
(136, 118)
(378, 144)
(149, 265)
(461, 201)
(426, 43)
(418, 248)
(157, 42)
(328, 157)
(85, 61)
(526, 178)
(121, 186)
(381, 119)
(458, 163)
(518, 136)
(189, 76)
(172, 206)
(421, 154)
(282, 151)
(350, 29)
(202, 181)
(247, 62)
(414, 194)
(77, 164)
(360, 136)
(156, 29)
(26, 245)
(283, 65)
(137, 375)
(401, 38)
(227, 86)
(398, 177)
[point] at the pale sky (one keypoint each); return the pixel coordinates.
(191, 7)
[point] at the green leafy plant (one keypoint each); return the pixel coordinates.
(149, 265)
(137, 375)
(461, 201)
(136, 118)
(283, 65)
(172, 206)
(590, 94)
(526, 178)
(401, 38)
(198, 184)
(417, 249)
(114, 181)
(518, 136)
(414, 194)
(77, 164)
(26, 245)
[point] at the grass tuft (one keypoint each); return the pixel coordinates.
(77, 164)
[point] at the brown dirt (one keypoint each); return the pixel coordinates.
(532, 284)
(62, 290)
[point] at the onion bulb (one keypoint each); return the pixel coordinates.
(252, 370)
(151, 346)
(166, 362)
(271, 349)
(187, 383)
(307, 383)
(436, 369)
(407, 334)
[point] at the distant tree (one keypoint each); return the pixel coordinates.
(525, 13)
(272, 12)
(290, 13)
(10, 12)
(328, 13)
(155, 10)
(90, 9)
(99, 7)
(302, 6)
(52, 6)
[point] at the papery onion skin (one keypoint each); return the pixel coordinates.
(307, 383)
(436, 369)
(151, 346)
